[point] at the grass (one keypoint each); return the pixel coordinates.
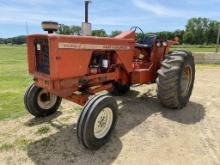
(6, 147)
(196, 48)
(14, 80)
(43, 130)
(20, 142)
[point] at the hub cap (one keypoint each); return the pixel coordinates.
(186, 80)
(103, 123)
(46, 100)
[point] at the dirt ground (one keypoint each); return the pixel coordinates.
(146, 132)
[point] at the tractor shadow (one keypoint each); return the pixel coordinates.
(38, 121)
(64, 148)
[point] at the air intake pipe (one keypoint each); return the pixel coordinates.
(50, 26)
(86, 26)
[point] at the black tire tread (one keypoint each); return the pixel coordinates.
(33, 108)
(86, 117)
(169, 78)
(83, 116)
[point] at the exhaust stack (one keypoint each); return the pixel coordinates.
(86, 26)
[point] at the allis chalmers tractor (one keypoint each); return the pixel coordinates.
(76, 68)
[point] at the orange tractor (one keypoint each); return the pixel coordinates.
(76, 68)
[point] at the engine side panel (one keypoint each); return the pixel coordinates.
(74, 54)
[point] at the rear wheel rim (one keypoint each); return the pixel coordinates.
(46, 100)
(103, 123)
(186, 80)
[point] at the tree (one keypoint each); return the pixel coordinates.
(115, 33)
(15, 40)
(19, 40)
(213, 31)
(76, 30)
(189, 38)
(166, 35)
(198, 31)
(201, 31)
(180, 34)
(2, 41)
(64, 29)
(69, 30)
(99, 33)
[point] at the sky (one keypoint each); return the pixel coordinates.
(150, 15)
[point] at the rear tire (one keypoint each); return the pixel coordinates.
(41, 103)
(176, 79)
(97, 122)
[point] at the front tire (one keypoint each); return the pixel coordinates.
(97, 122)
(40, 103)
(176, 79)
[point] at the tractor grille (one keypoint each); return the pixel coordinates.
(42, 55)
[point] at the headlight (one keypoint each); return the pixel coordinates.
(165, 44)
(159, 44)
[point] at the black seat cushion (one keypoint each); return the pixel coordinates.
(147, 42)
(138, 45)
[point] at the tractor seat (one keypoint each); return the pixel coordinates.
(147, 42)
(138, 45)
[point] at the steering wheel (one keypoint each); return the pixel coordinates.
(135, 28)
(145, 38)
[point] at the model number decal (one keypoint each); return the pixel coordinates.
(63, 45)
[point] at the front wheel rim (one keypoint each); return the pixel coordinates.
(103, 123)
(46, 100)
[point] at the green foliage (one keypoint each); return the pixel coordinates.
(201, 31)
(99, 33)
(139, 37)
(180, 34)
(2, 41)
(189, 37)
(19, 40)
(13, 41)
(166, 35)
(69, 30)
(198, 31)
(115, 33)
(76, 30)
(213, 31)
